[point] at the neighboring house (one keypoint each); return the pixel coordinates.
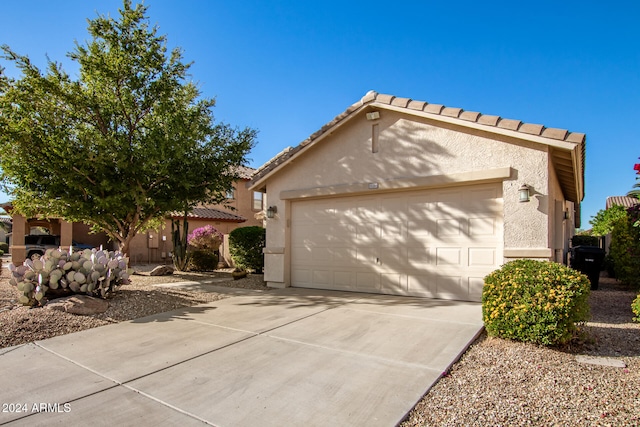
(5, 229)
(155, 245)
(404, 197)
(239, 210)
(626, 201)
(68, 232)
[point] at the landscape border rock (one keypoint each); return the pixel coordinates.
(79, 304)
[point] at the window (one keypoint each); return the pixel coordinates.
(257, 201)
(231, 194)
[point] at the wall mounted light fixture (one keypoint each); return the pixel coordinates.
(523, 193)
(272, 211)
(373, 115)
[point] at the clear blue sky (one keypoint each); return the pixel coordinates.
(288, 67)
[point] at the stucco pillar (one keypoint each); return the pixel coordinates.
(66, 234)
(18, 249)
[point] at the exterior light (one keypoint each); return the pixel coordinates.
(374, 115)
(271, 211)
(523, 193)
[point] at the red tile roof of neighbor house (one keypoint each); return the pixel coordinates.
(495, 124)
(245, 172)
(626, 201)
(211, 213)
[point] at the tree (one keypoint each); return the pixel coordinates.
(125, 144)
(604, 220)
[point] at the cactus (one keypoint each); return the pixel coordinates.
(181, 256)
(92, 271)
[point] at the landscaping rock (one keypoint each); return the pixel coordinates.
(79, 304)
(602, 361)
(162, 270)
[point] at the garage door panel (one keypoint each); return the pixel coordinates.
(480, 257)
(448, 256)
(482, 226)
(422, 285)
(367, 256)
(322, 278)
(367, 232)
(301, 276)
(344, 256)
(448, 227)
(321, 255)
(394, 283)
(420, 257)
(475, 288)
(393, 258)
(451, 287)
(300, 255)
(367, 281)
(419, 230)
(437, 243)
(393, 231)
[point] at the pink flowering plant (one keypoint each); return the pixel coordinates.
(207, 237)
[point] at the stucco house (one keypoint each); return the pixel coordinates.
(397, 196)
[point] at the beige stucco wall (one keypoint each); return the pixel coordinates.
(409, 148)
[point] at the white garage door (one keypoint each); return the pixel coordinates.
(436, 243)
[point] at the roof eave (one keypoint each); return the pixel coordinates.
(572, 143)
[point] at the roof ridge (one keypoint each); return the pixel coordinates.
(473, 116)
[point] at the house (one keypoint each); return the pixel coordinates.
(154, 245)
(5, 229)
(239, 210)
(626, 201)
(397, 196)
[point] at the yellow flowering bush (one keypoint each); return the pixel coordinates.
(635, 306)
(535, 301)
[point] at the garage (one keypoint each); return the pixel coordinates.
(436, 243)
(405, 197)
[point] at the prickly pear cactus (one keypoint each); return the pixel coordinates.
(92, 271)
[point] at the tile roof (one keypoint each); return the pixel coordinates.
(626, 201)
(457, 114)
(211, 213)
(245, 172)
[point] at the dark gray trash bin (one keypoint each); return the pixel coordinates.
(588, 260)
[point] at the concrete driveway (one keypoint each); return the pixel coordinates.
(286, 357)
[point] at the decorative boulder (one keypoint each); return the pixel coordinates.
(79, 304)
(162, 270)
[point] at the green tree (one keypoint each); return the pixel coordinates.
(604, 220)
(127, 142)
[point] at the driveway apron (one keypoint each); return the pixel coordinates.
(284, 357)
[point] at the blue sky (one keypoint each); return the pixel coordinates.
(288, 67)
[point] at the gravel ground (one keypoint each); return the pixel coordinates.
(19, 325)
(505, 383)
(495, 383)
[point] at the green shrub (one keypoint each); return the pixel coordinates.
(1, 252)
(203, 260)
(4, 247)
(584, 240)
(535, 301)
(625, 248)
(245, 247)
(635, 307)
